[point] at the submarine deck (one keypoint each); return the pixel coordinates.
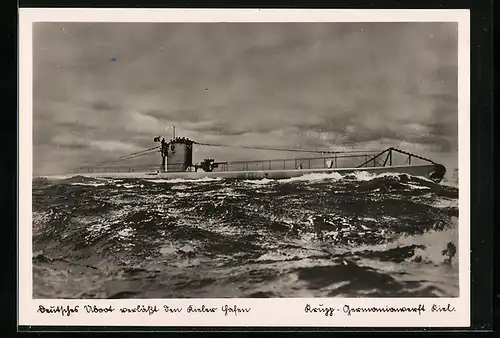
(424, 170)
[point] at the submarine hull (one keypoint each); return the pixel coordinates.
(434, 172)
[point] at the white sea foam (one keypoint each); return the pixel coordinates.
(359, 175)
(434, 241)
(90, 184)
(451, 178)
(57, 177)
(313, 177)
(261, 181)
(128, 186)
(364, 176)
(442, 202)
(127, 232)
(98, 227)
(183, 194)
(413, 186)
(184, 180)
(446, 203)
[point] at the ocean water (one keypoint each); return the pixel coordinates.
(320, 235)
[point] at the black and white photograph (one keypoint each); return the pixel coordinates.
(245, 160)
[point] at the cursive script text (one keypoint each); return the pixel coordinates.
(140, 309)
(233, 310)
(64, 311)
(328, 311)
(349, 310)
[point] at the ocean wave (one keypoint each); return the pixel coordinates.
(320, 235)
(426, 247)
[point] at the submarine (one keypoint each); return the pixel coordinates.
(177, 162)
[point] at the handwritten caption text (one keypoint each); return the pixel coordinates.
(150, 310)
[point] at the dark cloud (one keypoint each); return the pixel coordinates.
(102, 90)
(104, 106)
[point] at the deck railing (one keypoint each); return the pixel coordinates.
(388, 157)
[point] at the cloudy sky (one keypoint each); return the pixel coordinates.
(103, 90)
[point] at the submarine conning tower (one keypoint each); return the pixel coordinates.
(176, 154)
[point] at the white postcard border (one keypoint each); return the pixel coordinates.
(264, 312)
